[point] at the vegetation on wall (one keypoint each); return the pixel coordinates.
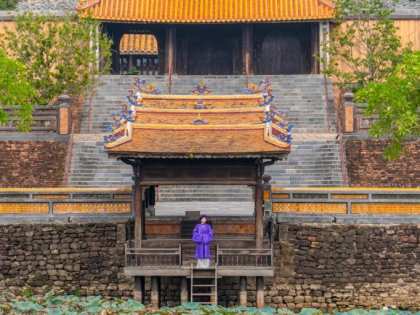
(15, 90)
(364, 41)
(61, 55)
(396, 104)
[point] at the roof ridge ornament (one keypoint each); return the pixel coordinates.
(140, 87)
(201, 89)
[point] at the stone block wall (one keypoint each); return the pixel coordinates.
(342, 266)
(71, 258)
(325, 266)
(366, 166)
(32, 164)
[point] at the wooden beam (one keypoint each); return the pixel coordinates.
(198, 182)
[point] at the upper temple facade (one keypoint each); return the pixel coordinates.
(214, 37)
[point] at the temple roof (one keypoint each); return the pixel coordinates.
(209, 11)
(171, 126)
(141, 44)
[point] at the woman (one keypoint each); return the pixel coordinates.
(202, 235)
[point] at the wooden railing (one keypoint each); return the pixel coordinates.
(153, 257)
(250, 257)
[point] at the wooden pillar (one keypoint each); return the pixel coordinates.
(314, 47)
(243, 293)
(259, 224)
(130, 61)
(247, 49)
(260, 292)
(155, 292)
(138, 206)
(184, 290)
(170, 50)
(139, 289)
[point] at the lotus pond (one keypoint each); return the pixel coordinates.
(51, 304)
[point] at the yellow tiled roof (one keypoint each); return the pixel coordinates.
(208, 11)
(142, 44)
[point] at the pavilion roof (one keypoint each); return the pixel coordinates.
(142, 44)
(170, 127)
(209, 11)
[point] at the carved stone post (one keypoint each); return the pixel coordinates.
(184, 290)
(64, 115)
(243, 293)
(349, 113)
(155, 292)
(260, 292)
(139, 289)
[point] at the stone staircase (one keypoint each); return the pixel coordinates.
(303, 95)
(314, 162)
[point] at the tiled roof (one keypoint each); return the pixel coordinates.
(170, 126)
(208, 11)
(142, 44)
(161, 140)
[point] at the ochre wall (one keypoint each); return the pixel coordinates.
(366, 166)
(32, 164)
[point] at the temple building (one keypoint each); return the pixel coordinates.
(216, 37)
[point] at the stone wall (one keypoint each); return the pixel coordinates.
(326, 266)
(341, 266)
(71, 258)
(30, 164)
(366, 166)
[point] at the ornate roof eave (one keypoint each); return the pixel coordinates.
(265, 155)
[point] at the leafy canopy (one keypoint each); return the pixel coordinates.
(396, 103)
(363, 46)
(14, 90)
(61, 54)
(8, 4)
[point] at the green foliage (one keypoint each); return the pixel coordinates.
(366, 43)
(15, 90)
(396, 104)
(8, 5)
(60, 54)
(133, 71)
(51, 304)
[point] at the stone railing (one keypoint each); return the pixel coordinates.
(59, 202)
(46, 118)
(346, 201)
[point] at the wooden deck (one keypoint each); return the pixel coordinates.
(234, 257)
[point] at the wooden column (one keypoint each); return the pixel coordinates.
(243, 293)
(314, 47)
(170, 50)
(259, 224)
(247, 49)
(184, 290)
(155, 292)
(130, 61)
(139, 289)
(138, 206)
(260, 292)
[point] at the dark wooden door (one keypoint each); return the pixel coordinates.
(209, 55)
(281, 53)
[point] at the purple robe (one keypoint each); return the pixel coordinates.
(202, 249)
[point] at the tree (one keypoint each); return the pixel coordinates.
(61, 54)
(8, 4)
(396, 104)
(15, 92)
(364, 41)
